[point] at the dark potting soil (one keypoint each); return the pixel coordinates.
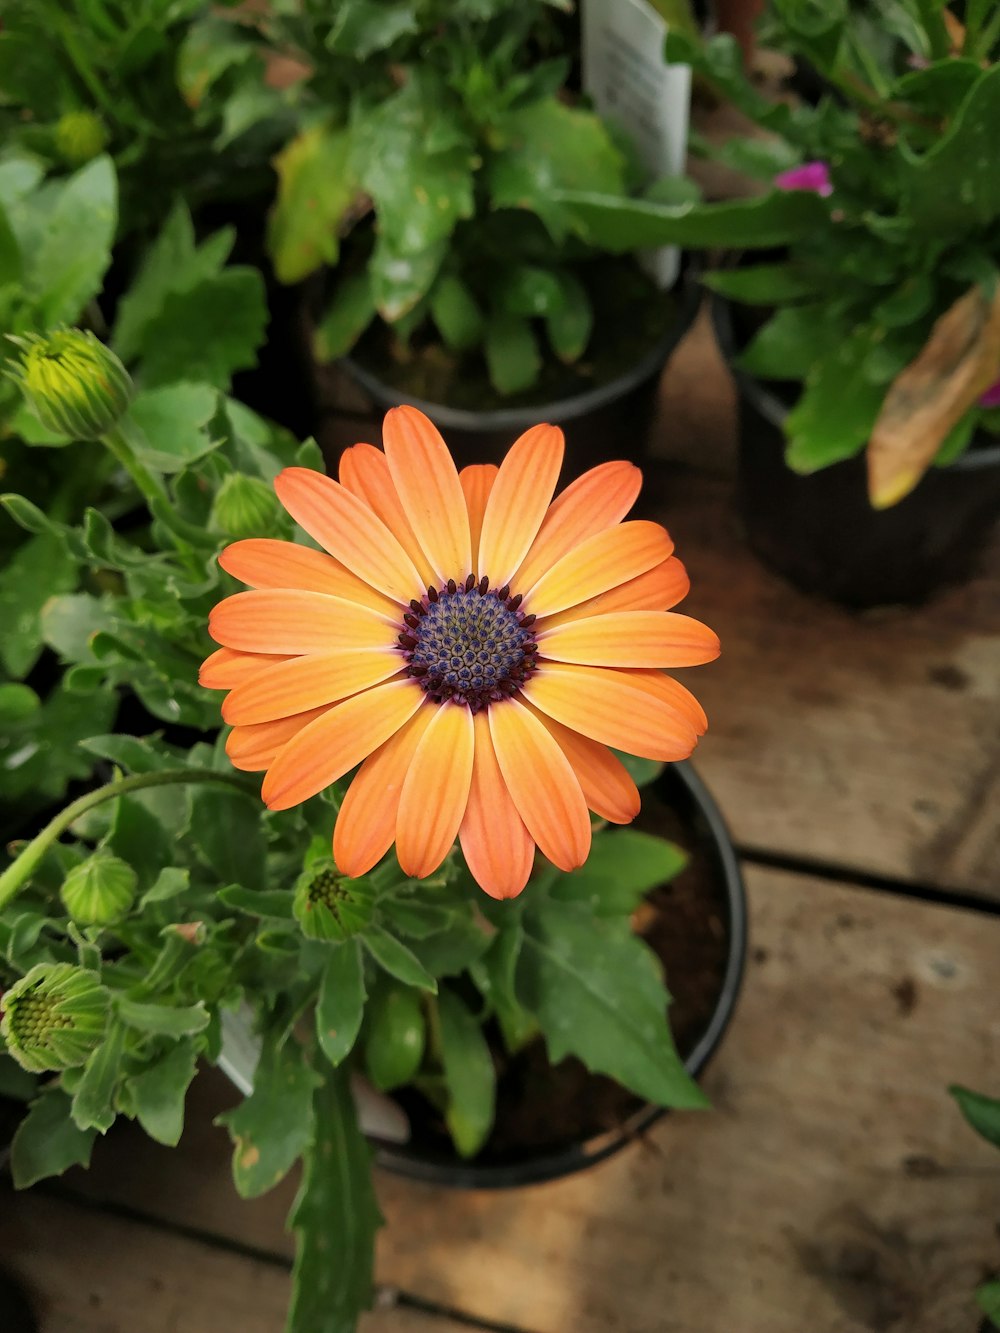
(544, 1108)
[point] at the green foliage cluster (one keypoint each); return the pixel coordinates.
(904, 117)
(157, 906)
(983, 1114)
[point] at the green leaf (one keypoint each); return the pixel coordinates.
(139, 837)
(494, 976)
(411, 916)
(455, 313)
(763, 284)
(396, 959)
(982, 1113)
(211, 47)
(170, 882)
(570, 323)
(469, 1075)
(448, 952)
(70, 622)
(641, 771)
(163, 1020)
(335, 1217)
(598, 994)
(790, 343)
(11, 264)
(276, 903)
(362, 27)
(39, 569)
(272, 1127)
(341, 1001)
(623, 225)
(94, 1099)
(158, 1093)
(226, 830)
(317, 191)
(988, 1296)
(512, 355)
(47, 1142)
(16, 1083)
(621, 869)
(395, 1034)
(348, 315)
(552, 150)
(529, 290)
(68, 265)
(208, 332)
(168, 427)
(835, 415)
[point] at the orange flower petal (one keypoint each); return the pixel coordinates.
(542, 784)
(599, 499)
(631, 639)
(347, 528)
(599, 563)
(366, 825)
(610, 707)
(287, 622)
(658, 589)
(254, 748)
(518, 501)
(435, 791)
(672, 693)
(337, 741)
(306, 682)
(498, 849)
(265, 563)
(226, 668)
(364, 470)
(428, 485)
(607, 787)
(477, 481)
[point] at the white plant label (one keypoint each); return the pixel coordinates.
(625, 75)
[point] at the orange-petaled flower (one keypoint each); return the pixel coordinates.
(474, 645)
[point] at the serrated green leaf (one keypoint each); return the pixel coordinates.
(448, 952)
(274, 1125)
(835, 415)
(168, 427)
(276, 903)
(163, 1020)
(211, 47)
(94, 1099)
(494, 975)
(70, 622)
(207, 332)
(47, 1142)
(316, 191)
(512, 355)
(362, 27)
(68, 266)
(414, 918)
(598, 994)
(348, 315)
(159, 1092)
(395, 1031)
(170, 882)
(789, 344)
(396, 959)
(981, 1112)
(332, 1284)
(621, 869)
(40, 569)
(226, 830)
(469, 1075)
(341, 1001)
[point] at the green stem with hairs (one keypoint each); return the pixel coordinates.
(19, 872)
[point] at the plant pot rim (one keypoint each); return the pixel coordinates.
(402, 1160)
(774, 410)
(514, 419)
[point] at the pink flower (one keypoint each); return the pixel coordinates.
(991, 397)
(813, 176)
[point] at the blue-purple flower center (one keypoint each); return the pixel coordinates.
(468, 643)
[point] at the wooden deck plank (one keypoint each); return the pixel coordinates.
(833, 1188)
(88, 1272)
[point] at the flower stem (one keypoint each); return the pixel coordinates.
(117, 444)
(18, 873)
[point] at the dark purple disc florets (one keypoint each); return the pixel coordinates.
(468, 643)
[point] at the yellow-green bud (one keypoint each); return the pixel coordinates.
(73, 383)
(328, 906)
(54, 1017)
(80, 135)
(100, 890)
(244, 507)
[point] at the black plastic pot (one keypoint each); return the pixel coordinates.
(612, 420)
(680, 788)
(820, 531)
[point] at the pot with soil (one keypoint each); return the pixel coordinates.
(552, 1120)
(820, 531)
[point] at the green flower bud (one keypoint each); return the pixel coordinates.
(328, 905)
(244, 506)
(73, 383)
(99, 891)
(54, 1017)
(80, 135)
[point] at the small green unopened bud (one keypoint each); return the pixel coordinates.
(80, 135)
(100, 890)
(54, 1017)
(73, 383)
(328, 906)
(244, 507)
